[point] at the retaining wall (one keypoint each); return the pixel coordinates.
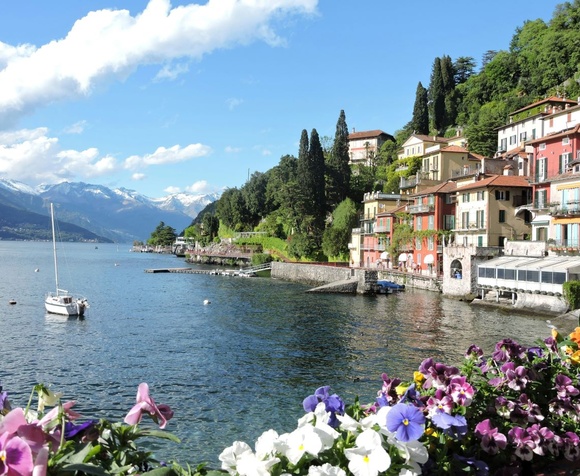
(311, 274)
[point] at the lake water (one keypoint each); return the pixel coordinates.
(231, 369)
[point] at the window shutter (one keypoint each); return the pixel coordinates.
(497, 194)
(537, 171)
(561, 167)
(507, 195)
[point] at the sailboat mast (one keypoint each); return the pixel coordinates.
(54, 247)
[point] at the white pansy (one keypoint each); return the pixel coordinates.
(307, 419)
(302, 440)
(232, 454)
(326, 470)
(348, 423)
(266, 443)
(251, 465)
(369, 458)
(47, 397)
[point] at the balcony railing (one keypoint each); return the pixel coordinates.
(421, 208)
(467, 170)
(567, 209)
(568, 244)
(408, 182)
(382, 229)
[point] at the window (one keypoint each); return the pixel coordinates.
(513, 140)
(465, 220)
(541, 169)
(502, 195)
(465, 197)
(481, 195)
(503, 144)
(480, 219)
(502, 216)
(419, 223)
(449, 222)
(542, 146)
(522, 136)
(565, 140)
(431, 222)
(510, 274)
(480, 240)
(430, 243)
(450, 198)
(565, 159)
(418, 243)
(540, 199)
(500, 273)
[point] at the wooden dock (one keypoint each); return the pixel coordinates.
(183, 270)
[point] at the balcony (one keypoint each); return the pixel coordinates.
(564, 245)
(465, 170)
(382, 229)
(422, 208)
(570, 209)
(408, 182)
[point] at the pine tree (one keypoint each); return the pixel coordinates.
(304, 179)
(337, 165)
(420, 122)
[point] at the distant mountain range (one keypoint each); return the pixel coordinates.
(94, 212)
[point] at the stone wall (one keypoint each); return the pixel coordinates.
(532, 249)
(412, 280)
(311, 274)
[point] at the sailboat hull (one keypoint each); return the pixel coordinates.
(64, 306)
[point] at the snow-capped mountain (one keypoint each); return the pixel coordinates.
(121, 215)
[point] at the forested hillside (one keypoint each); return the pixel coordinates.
(312, 200)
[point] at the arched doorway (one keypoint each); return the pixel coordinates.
(456, 270)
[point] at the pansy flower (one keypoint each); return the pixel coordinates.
(406, 421)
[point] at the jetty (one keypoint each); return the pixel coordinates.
(244, 272)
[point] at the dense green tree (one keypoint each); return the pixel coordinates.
(254, 193)
(317, 166)
(231, 209)
(163, 235)
(464, 68)
(338, 169)
(487, 57)
(421, 111)
(482, 135)
(337, 237)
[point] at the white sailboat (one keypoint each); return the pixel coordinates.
(61, 302)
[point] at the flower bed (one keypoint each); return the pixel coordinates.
(515, 412)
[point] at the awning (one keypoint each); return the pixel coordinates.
(429, 259)
(402, 257)
(384, 255)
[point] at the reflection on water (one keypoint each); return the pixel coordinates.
(231, 369)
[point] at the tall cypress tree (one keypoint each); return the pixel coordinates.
(437, 97)
(448, 76)
(337, 166)
(420, 122)
(304, 179)
(316, 156)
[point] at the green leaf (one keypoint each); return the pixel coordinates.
(163, 471)
(84, 468)
(157, 434)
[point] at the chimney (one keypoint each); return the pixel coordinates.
(508, 170)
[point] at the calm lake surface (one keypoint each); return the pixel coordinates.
(229, 370)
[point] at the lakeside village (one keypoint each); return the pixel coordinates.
(502, 230)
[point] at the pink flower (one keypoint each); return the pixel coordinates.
(16, 457)
(491, 439)
(145, 404)
(461, 391)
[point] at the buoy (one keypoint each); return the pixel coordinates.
(206, 302)
(36, 270)
(12, 301)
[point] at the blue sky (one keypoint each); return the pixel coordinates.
(164, 97)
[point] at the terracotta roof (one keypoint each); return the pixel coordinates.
(555, 135)
(444, 187)
(498, 181)
(551, 99)
(365, 134)
(427, 138)
(462, 150)
(402, 208)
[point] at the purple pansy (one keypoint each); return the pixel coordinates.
(564, 387)
(332, 403)
(491, 439)
(406, 421)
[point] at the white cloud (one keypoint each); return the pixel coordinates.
(172, 190)
(201, 186)
(232, 150)
(76, 128)
(171, 155)
(33, 157)
(171, 72)
(138, 176)
(266, 152)
(233, 103)
(111, 44)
